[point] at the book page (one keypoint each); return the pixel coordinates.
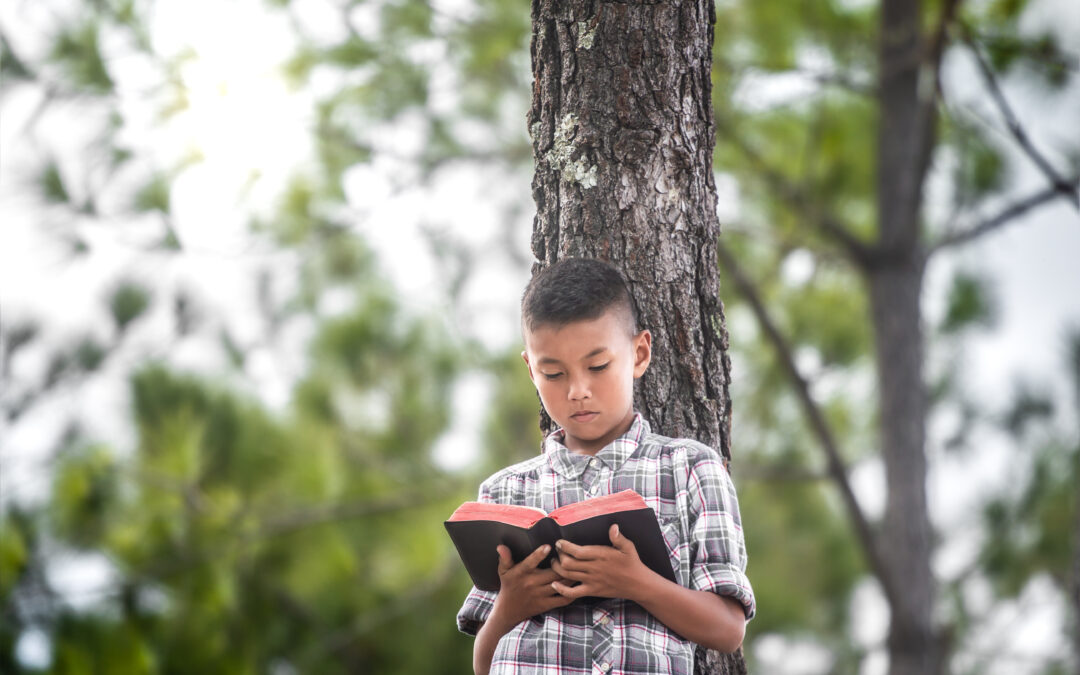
(627, 500)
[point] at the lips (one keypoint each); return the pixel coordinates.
(584, 416)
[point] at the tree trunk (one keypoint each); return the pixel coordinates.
(1074, 576)
(895, 281)
(622, 131)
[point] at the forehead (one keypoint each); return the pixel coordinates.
(578, 339)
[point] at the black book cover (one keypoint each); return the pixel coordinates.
(476, 541)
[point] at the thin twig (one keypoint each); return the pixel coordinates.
(835, 78)
(320, 515)
(1007, 215)
(1063, 187)
(926, 120)
(858, 251)
(398, 607)
(780, 474)
(818, 424)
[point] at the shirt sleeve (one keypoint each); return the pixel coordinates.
(477, 606)
(718, 552)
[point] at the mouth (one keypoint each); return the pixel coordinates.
(584, 416)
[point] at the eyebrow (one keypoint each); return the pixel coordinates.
(598, 350)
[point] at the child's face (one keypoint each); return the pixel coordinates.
(584, 373)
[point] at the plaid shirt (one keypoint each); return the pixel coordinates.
(687, 485)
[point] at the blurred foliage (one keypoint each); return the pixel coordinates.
(241, 540)
(796, 110)
(307, 538)
(1031, 527)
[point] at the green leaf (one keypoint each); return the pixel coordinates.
(89, 354)
(12, 68)
(233, 351)
(78, 52)
(155, 195)
(127, 302)
(970, 304)
(85, 495)
(17, 336)
(1027, 407)
(349, 54)
(52, 184)
(59, 365)
(14, 555)
(411, 18)
(1006, 9)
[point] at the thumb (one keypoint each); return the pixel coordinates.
(505, 559)
(619, 541)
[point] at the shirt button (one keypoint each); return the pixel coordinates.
(605, 621)
(604, 667)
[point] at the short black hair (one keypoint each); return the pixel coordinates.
(576, 289)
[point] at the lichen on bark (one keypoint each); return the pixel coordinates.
(561, 156)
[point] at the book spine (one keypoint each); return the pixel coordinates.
(545, 531)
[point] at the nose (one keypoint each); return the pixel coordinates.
(579, 389)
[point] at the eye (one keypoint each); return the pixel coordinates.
(597, 369)
(552, 376)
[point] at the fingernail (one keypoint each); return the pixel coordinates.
(547, 549)
(558, 544)
(616, 530)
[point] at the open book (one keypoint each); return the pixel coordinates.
(477, 528)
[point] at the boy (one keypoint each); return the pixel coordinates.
(583, 350)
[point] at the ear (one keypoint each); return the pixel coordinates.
(642, 352)
(525, 356)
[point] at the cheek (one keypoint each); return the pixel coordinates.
(546, 390)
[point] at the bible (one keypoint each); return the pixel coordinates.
(476, 528)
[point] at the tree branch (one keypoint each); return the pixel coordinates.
(834, 78)
(859, 252)
(1063, 186)
(401, 605)
(926, 132)
(818, 424)
(779, 474)
(1003, 218)
(305, 518)
(292, 522)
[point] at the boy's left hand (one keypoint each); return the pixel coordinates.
(602, 571)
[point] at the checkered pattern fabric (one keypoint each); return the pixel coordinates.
(687, 485)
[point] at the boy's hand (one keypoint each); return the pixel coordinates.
(525, 590)
(602, 571)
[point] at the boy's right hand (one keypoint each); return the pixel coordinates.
(525, 590)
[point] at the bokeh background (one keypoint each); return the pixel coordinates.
(259, 272)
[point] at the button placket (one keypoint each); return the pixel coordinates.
(589, 478)
(603, 634)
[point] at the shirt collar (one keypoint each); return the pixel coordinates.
(572, 464)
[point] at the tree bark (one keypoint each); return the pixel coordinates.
(1074, 576)
(622, 130)
(895, 282)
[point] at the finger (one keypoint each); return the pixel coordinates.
(579, 552)
(562, 570)
(544, 577)
(619, 541)
(556, 600)
(571, 592)
(536, 557)
(505, 560)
